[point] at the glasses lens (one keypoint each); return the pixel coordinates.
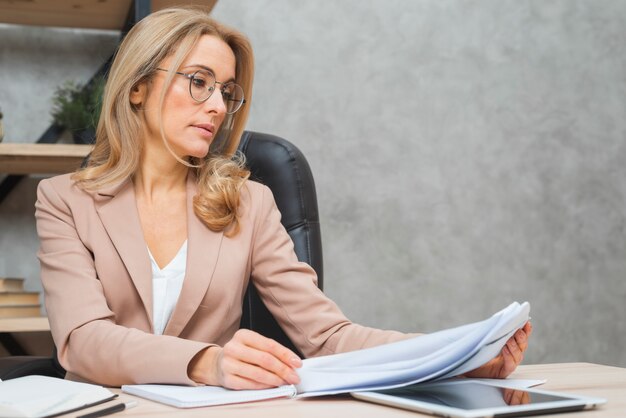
(232, 94)
(201, 85)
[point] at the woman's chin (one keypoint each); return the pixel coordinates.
(199, 156)
(198, 152)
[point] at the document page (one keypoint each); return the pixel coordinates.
(438, 355)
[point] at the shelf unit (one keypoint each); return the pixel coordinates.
(100, 14)
(41, 158)
(36, 324)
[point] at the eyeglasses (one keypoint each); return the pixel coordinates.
(202, 85)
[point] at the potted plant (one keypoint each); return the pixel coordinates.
(77, 108)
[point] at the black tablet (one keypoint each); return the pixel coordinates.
(462, 398)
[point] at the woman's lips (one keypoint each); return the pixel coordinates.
(205, 130)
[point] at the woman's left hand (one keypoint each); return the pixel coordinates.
(509, 358)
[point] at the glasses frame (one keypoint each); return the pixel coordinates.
(210, 89)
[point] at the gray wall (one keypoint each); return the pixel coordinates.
(466, 154)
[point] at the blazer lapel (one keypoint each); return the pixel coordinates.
(203, 247)
(117, 208)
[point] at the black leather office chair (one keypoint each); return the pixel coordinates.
(281, 166)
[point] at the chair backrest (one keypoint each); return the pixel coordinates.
(281, 166)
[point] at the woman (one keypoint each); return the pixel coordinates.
(146, 253)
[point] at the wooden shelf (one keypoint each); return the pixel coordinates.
(41, 158)
(100, 14)
(34, 324)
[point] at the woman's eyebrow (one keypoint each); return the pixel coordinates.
(209, 69)
(204, 67)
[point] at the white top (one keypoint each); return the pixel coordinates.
(166, 286)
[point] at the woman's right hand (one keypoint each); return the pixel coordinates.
(248, 361)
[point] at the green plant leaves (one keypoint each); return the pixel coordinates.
(77, 107)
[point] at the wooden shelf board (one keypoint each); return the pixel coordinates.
(41, 158)
(33, 324)
(99, 14)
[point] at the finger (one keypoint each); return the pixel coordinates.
(528, 328)
(515, 350)
(270, 363)
(258, 374)
(279, 351)
(246, 355)
(522, 340)
(232, 365)
(508, 363)
(241, 383)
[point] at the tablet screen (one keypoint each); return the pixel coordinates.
(470, 395)
(475, 399)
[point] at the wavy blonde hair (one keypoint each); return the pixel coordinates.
(116, 154)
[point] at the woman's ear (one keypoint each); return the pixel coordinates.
(138, 94)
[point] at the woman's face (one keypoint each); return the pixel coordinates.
(189, 126)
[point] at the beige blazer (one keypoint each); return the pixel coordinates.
(97, 278)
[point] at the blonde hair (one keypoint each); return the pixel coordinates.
(116, 154)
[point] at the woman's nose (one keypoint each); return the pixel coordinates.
(215, 103)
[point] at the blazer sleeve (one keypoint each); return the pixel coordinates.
(89, 342)
(313, 322)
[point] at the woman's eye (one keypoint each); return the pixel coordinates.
(227, 91)
(198, 82)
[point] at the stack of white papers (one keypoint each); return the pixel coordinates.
(438, 355)
(435, 356)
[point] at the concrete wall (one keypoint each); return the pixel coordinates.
(467, 154)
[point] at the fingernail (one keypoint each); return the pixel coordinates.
(295, 361)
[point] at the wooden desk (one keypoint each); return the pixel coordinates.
(581, 378)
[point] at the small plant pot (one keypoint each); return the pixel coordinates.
(84, 136)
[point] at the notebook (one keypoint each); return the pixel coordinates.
(197, 396)
(45, 397)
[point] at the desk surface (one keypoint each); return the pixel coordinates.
(580, 378)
